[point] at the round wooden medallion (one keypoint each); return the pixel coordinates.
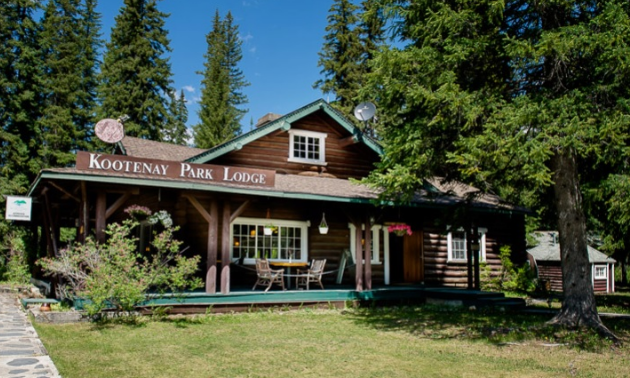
(109, 130)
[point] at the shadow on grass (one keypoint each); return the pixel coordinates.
(488, 325)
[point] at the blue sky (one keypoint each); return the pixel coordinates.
(281, 41)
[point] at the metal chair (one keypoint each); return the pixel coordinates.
(313, 274)
(268, 276)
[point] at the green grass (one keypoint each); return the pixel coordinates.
(423, 341)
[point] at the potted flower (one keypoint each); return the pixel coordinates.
(269, 229)
(400, 229)
(138, 212)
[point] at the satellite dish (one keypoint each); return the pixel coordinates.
(364, 111)
(109, 130)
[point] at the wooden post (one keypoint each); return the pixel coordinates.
(101, 209)
(225, 248)
(469, 257)
(367, 272)
(213, 247)
(84, 211)
(358, 258)
(476, 247)
(51, 226)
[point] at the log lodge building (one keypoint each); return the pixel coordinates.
(294, 171)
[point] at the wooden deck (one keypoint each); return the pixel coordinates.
(244, 299)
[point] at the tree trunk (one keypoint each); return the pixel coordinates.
(578, 306)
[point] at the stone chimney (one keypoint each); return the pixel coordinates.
(269, 117)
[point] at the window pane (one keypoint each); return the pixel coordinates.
(458, 246)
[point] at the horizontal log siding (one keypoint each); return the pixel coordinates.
(551, 272)
(502, 230)
(272, 152)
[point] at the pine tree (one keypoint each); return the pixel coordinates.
(341, 56)
(68, 104)
(516, 95)
(177, 132)
(222, 85)
(135, 75)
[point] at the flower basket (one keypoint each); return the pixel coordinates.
(323, 230)
(138, 212)
(400, 229)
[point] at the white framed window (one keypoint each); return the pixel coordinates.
(600, 272)
(380, 242)
(456, 241)
(307, 147)
(287, 242)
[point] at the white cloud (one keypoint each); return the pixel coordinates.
(246, 38)
(189, 88)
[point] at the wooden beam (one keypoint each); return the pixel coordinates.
(352, 139)
(239, 211)
(119, 202)
(199, 208)
(225, 249)
(62, 190)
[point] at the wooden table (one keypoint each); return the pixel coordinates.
(288, 265)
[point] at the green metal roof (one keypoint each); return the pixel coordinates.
(284, 123)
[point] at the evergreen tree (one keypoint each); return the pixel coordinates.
(91, 43)
(177, 132)
(222, 85)
(67, 105)
(135, 75)
(516, 95)
(20, 73)
(341, 56)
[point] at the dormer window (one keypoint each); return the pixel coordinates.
(307, 147)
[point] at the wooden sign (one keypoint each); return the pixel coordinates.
(91, 161)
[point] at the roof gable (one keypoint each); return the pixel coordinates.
(284, 123)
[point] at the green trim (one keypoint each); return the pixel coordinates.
(284, 123)
(205, 187)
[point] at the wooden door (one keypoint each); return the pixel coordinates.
(413, 260)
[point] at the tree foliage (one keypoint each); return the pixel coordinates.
(222, 85)
(341, 56)
(115, 276)
(510, 96)
(135, 77)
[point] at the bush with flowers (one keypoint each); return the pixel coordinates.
(400, 229)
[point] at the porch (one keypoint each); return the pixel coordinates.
(243, 298)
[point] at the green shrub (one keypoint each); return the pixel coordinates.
(16, 270)
(509, 278)
(113, 275)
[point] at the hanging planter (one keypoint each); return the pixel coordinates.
(323, 226)
(400, 229)
(269, 229)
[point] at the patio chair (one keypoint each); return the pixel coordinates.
(268, 276)
(313, 274)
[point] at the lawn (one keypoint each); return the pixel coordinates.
(421, 341)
